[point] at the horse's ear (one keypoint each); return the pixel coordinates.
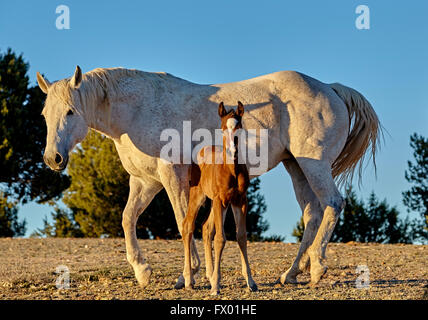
(240, 110)
(43, 83)
(221, 110)
(76, 79)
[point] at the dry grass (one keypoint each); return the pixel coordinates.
(99, 270)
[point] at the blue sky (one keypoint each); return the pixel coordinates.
(224, 41)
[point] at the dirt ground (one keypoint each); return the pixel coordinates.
(99, 270)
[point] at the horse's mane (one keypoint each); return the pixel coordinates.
(103, 83)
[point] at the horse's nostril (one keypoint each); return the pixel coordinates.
(58, 158)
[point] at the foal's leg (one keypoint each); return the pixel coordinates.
(175, 179)
(141, 194)
(312, 216)
(208, 232)
(240, 213)
(219, 242)
(196, 198)
(318, 174)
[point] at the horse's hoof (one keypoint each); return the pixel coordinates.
(287, 277)
(143, 273)
(317, 274)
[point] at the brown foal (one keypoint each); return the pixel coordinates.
(220, 177)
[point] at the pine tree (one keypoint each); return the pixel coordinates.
(23, 175)
(416, 199)
(99, 187)
(9, 224)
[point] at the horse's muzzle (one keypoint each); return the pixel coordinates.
(57, 163)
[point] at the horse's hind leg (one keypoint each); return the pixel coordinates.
(141, 194)
(312, 215)
(240, 213)
(318, 174)
(175, 179)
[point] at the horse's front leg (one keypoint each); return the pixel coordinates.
(175, 179)
(141, 194)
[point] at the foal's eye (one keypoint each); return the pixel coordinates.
(70, 112)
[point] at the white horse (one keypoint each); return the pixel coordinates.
(320, 132)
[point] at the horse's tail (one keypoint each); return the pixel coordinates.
(364, 134)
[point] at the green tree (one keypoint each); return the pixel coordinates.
(256, 224)
(9, 224)
(23, 174)
(98, 194)
(298, 230)
(371, 222)
(416, 199)
(99, 187)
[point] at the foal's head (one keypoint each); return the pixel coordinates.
(231, 122)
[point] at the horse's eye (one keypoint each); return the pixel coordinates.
(70, 112)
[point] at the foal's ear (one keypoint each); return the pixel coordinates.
(240, 110)
(44, 84)
(221, 110)
(76, 79)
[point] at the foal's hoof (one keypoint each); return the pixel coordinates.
(215, 292)
(189, 285)
(179, 286)
(181, 283)
(253, 287)
(143, 273)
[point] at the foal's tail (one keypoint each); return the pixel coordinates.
(364, 133)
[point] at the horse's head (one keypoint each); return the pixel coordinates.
(66, 126)
(231, 122)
